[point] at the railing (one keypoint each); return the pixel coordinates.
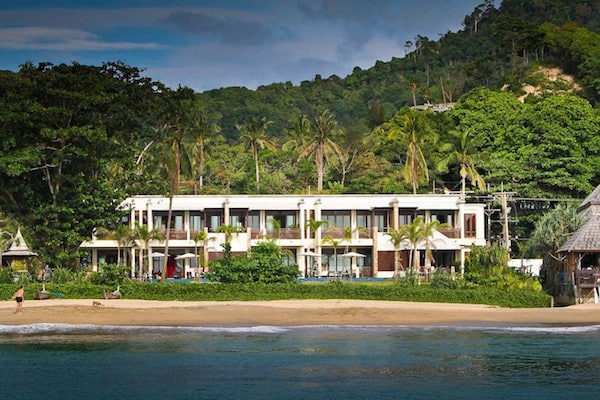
(334, 233)
(177, 235)
(284, 233)
(453, 233)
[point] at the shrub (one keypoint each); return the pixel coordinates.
(263, 263)
(61, 275)
(6, 275)
(443, 280)
(411, 279)
(110, 274)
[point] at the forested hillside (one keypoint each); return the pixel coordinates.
(77, 139)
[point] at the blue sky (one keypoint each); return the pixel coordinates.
(208, 44)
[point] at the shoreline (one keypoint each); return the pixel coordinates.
(125, 312)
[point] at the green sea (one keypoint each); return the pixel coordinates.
(49, 361)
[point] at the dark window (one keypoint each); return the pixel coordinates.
(470, 225)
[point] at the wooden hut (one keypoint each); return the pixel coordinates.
(581, 251)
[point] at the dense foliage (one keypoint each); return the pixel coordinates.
(76, 139)
(263, 263)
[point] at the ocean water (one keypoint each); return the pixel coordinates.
(46, 361)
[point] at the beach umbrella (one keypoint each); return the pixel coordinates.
(156, 254)
(309, 254)
(185, 255)
(353, 255)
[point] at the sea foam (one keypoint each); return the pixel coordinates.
(65, 329)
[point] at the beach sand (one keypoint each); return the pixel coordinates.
(288, 313)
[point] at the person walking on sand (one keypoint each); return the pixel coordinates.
(19, 297)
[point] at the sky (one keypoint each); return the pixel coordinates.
(209, 44)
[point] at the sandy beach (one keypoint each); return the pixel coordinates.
(287, 312)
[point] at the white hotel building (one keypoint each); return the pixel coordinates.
(355, 224)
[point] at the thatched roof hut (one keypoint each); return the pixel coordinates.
(582, 248)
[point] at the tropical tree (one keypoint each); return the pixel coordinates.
(202, 133)
(172, 157)
(253, 133)
(462, 152)
(318, 139)
(171, 167)
(141, 236)
(414, 235)
(122, 234)
(397, 237)
(313, 225)
(229, 231)
(200, 238)
(352, 147)
(552, 230)
(335, 243)
(413, 130)
(427, 231)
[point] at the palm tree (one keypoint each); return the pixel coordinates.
(353, 148)
(428, 229)
(313, 225)
(141, 236)
(173, 159)
(413, 129)
(254, 134)
(276, 224)
(462, 152)
(229, 231)
(317, 139)
(414, 235)
(122, 234)
(202, 133)
(335, 244)
(200, 237)
(397, 237)
(417, 232)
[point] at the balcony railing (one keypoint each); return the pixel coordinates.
(177, 235)
(334, 233)
(284, 233)
(453, 233)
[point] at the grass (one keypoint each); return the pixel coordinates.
(390, 291)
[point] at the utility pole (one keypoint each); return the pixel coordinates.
(503, 198)
(489, 211)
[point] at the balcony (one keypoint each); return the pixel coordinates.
(284, 233)
(177, 235)
(452, 233)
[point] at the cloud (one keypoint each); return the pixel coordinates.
(228, 30)
(363, 22)
(41, 38)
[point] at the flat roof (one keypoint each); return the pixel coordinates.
(295, 202)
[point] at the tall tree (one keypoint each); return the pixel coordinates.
(414, 235)
(397, 237)
(254, 134)
(462, 151)
(202, 133)
(413, 130)
(122, 234)
(141, 237)
(321, 141)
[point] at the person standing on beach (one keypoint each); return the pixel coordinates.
(19, 297)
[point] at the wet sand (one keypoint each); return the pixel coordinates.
(287, 313)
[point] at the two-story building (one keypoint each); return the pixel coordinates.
(325, 235)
